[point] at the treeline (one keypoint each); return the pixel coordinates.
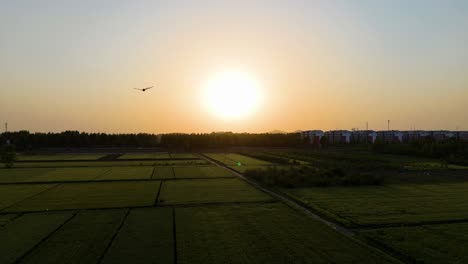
(25, 140)
(451, 150)
(229, 139)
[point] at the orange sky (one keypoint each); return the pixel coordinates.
(322, 65)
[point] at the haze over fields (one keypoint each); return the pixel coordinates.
(72, 65)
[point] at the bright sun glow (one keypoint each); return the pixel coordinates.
(232, 95)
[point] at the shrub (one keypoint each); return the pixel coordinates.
(8, 155)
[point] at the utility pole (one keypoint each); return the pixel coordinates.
(6, 127)
(388, 125)
(367, 125)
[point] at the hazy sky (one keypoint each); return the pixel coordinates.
(71, 65)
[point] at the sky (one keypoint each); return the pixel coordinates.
(335, 64)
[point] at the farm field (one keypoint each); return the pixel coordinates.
(246, 232)
(137, 156)
(389, 204)
(89, 195)
(209, 191)
(110, 163)
(134, 211)
(233, 159)
(441, 243)
(63, 157)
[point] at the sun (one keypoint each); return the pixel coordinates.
(232, 95)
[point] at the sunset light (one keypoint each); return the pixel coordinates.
(232, 95)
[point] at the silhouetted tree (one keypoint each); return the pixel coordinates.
(9, 155)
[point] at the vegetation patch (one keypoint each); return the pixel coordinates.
(21, 235)
(389, 204)
(303, 176)
(12, 194)
(209, 191)
(145, 237)
(444, 243)
(81, 240)
(267, 233)
(91, 195)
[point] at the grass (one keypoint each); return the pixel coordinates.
(81, 240)
(201, 172)
(126, 173)
(146, 236)
(60, 157)
(426, 244)
(12, 194)
(22, 234)
(164, 173)
(209, 191)
(389, 204)
(90, 195)
(123, 163)
(145, 156)
(183, 156)
(21, 175)
(268, 233)
(232, 159)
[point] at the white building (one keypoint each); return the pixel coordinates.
(363, 136)
(338, 136)
(312, 136)
(390, 136)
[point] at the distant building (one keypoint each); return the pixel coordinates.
(312, 136)
(414, 135)
(390, 136)
(338, 136)
(441, 135)
(462, 135)
(363, 136)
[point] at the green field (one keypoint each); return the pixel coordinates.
(137, 156)
(87, 195)
(13, 194)
(63, 157)
(209, 191)
(146, 237)
(233, 159)
(26, 232)
(268, 233)
(444, 243)
(123, 163)
(389, 204)
(81, 240)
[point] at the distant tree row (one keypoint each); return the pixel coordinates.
(25, 140)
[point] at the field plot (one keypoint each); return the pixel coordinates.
(209, 191)
(126, 173)
(60, 157)
(201, 172)
(7, 218)
(22, 234)
(90, 195)
(163, 173)
(12, 194)
(268, 233)
(21, 175)
(69, 174)
(145, 237)
(183, 156)
(123, 163)
(426, 244)
(81, 240)
(145, 156)
(389, 204)
(232, 159)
